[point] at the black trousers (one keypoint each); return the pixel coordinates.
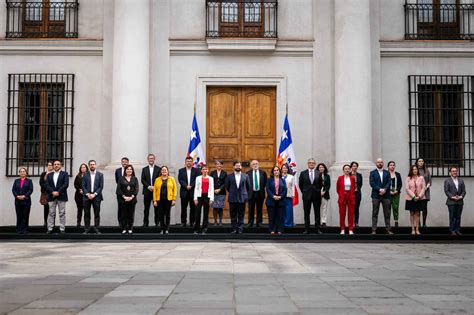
(87, 213)
(164, 211)
(316, 203)
(22, 218)
(147, 200)
(203, 204)
(455, 212)
(237, 212)
(46, 214)
(276, 215)
(357, 206)
(256, 203)
(119, 210)
(184, 210)
(80, 208)
(128, 214)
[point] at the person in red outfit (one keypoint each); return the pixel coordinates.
(345, 188)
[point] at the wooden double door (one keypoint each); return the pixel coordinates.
(241, 125)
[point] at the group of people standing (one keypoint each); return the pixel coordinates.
(200, 190)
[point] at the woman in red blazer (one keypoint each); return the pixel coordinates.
(345, 188)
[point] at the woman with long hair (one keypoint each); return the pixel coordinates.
(127, 190)
(415, 200)
(425, 172)
(276, 194)
(288, 220)
(219, 176)
(326, 185)
(345, 188)
(78, 196)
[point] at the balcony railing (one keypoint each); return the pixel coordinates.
(42, 19)
(439, 21)
(241, 18)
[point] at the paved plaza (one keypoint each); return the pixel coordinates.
(235, 278)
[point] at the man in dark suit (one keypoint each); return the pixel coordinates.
(455, 191)
(310, 185)
(187, 179)
(237, 184)
(119, 172)
(56, 186)
(380, 182)
(92, 186)
(258, 180)
(149, 174)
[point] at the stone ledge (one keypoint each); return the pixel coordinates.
(426, 49)
(68, 47)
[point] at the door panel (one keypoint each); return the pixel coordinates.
(241, 124)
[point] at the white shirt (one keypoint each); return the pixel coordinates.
(258, 179)
(456, 183)
(381, 175)
(311, 175)
(347, 183)
(188, 174)
(151, 168)
(55, 178)
(237, 179)
(92, 181)
(123, 170)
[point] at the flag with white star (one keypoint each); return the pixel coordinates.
(195, 145)
(286, 154)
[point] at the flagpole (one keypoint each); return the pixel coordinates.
(287, 109)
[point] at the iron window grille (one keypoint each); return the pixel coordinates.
(439, 20)
(241, 18)
(42, 19)
(40, 121)
(441, 122)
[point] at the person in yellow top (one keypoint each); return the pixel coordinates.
(164, 197)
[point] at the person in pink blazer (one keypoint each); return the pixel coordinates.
(415, 200)
(345, 188)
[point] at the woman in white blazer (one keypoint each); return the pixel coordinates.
(203, 198)
(290, 186)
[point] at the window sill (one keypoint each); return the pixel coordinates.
(234, 44)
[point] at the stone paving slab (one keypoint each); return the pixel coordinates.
(235, 278)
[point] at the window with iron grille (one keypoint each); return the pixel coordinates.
(42, 19)
(40, 121)
(441, 122)
(241, 18)
(439, 19)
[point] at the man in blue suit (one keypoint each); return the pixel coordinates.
(119, 174)
(56, 186)
(380, 182)
(92, 186)
(237, 184)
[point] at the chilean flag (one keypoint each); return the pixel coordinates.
(286, 155)
(195, 145)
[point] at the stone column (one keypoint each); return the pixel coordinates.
(130, 80)
(353, 95)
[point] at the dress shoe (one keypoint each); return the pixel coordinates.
(318, 231)
(195, 233)
(203, 232)
(130, 232)
(240, 232)
(86, 231)
(343, 232)
(49, 232)
(305, 232)
(162, 232)
(389, 232)
(233, 232)
(62, 231)
(167, 232)
(279, 233)
(454, 234)
(272, 233)
(396, 224)
(249, 225)
(373, 232)
(96, 231)
(323, 224)
(124, 232)
(78, 225)
(145, 225)
(458, 233)
(351, 233)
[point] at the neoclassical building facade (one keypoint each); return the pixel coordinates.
(362, 79)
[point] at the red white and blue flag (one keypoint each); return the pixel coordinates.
(195, 146)
(286, 154)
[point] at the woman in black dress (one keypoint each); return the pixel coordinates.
(78, 196)
(219, 177)
(127, 190)
(22, 190)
